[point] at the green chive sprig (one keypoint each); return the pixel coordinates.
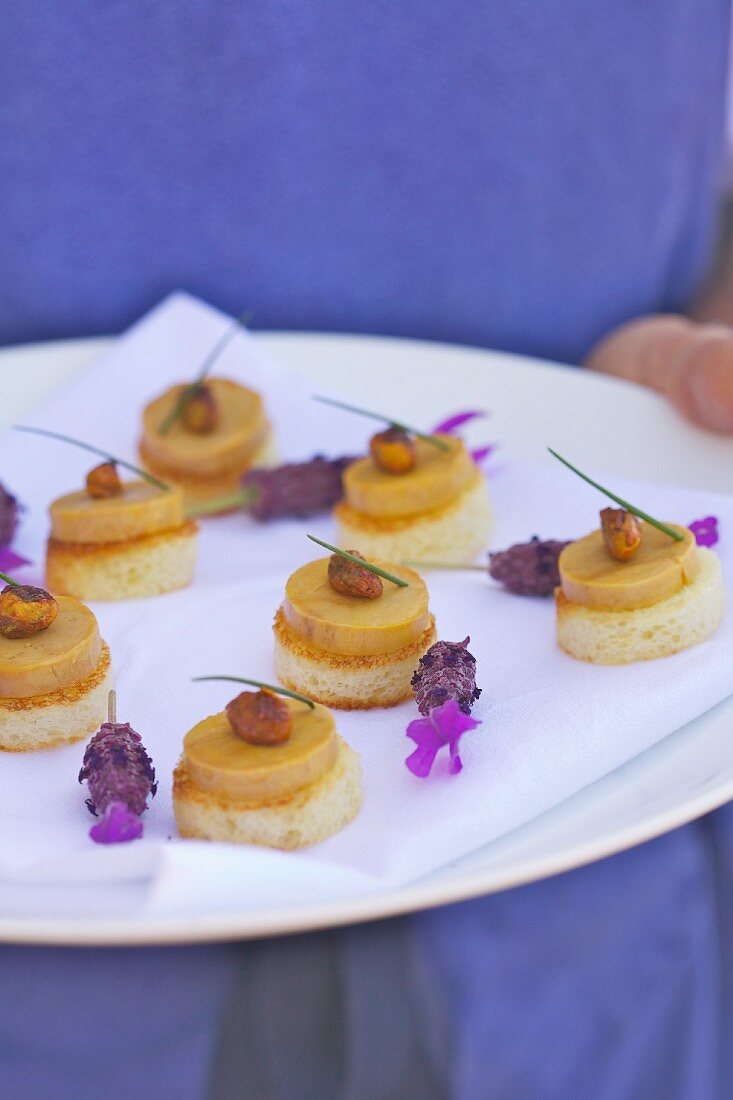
(185, 396)
(95, 451)
(258, 684)
(364, 564)
(9, 580)
(624, 503)
(447, 565)
(241, 499)
(433, 439)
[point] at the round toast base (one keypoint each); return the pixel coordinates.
(620, 637)
(347, 683)
(454, 533)
(134, 569)
(58, 717)
(306, 816)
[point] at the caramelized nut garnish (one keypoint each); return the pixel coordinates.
(351, 579)
(260, 718)
(104, 481)
(393, 450)
(25, 610)
(621, 533)
(200, 414)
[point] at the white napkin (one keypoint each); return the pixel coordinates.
(551, 725)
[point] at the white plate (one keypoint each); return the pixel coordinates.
(606, 424)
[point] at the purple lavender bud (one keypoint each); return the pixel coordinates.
(9, 510)
(296, 489)
(120, 775)
(447, 671)
(529, 568)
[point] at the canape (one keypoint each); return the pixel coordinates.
(204, 438)
(55, 670)
(119, 540)
(636, 588)
(437, 506)
(668, 597)
(267, 770)
(348, 647)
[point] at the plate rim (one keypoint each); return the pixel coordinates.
(378, 905)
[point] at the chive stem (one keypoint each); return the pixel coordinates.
(185, 396)
(9, 580)
(447, 565)
(364, 564)
(259, 684)
(241, 499)
(439, 443)
(93, 450)
(624, 503)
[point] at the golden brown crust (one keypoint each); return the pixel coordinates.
(101, 549)
(344, 682)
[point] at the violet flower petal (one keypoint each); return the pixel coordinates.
(445, 725)
(116, 825)
(450, 424)
(9, 560)
(705, 531)
(482, 453)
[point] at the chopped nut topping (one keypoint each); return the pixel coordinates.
(25, 610)
(200, 414)
(393, 451)
(621, 533)
(351, 579)
(260, 718)
(104, 481)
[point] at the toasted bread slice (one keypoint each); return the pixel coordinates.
(619, 637)
(146, 566)
(306, 816)
(59, 717)
(346, 683)
(455, 532)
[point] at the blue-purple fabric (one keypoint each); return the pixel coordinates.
(520, 174)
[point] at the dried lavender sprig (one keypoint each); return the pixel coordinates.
(528, 568)
(120, 777)
(291, 491)
(447, 671)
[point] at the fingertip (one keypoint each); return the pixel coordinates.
(709, 380)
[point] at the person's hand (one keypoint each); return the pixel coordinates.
(691, 363)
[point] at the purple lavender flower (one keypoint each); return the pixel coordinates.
(121, 777)
(9, 560)
(705, 531)
(528, 568)
(444, 685)
(450, 425)
(9, 512)
(297, 488)
(443, 726)
(116, 825)
(447, 671)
